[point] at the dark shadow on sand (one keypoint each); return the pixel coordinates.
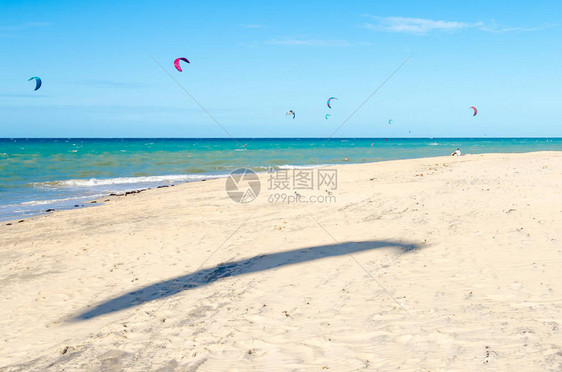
(250, 265)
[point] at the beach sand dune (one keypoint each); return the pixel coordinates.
(441, 264)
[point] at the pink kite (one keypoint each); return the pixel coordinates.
(177, 63)
(475, 110)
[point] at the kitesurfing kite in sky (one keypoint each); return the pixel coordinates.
(177, 63)
(290, 112)
(330, 101)
(389, 122)
(327, 116)
(475, 110)
(37, 82)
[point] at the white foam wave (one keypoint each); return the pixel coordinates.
(53, 201)
(289, 166)
(126, 180)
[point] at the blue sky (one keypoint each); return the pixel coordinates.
(253, 61)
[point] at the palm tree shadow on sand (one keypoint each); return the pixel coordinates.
(254, 264)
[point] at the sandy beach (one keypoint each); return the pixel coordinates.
(434, 264)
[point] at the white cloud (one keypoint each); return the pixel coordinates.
(417, 25)
(421, 26)
(315, 42)
(495, 28)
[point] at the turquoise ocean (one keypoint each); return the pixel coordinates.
(41, 174)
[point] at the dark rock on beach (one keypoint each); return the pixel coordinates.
(135, 191)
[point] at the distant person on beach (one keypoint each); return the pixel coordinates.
(457, 152)
(346, 159)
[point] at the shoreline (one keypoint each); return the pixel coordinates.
(59, 174)
(100, 200)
